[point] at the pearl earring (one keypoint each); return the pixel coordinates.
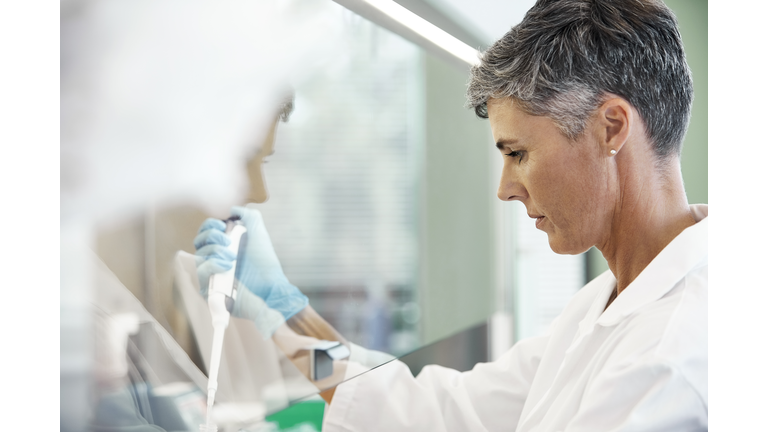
(613, 151)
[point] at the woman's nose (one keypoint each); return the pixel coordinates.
(510, 188)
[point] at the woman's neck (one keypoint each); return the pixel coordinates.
(651, 211)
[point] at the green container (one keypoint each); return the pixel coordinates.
(308, 413)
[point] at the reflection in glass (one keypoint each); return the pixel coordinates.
(343, 186)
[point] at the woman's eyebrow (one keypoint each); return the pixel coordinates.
(500, 144)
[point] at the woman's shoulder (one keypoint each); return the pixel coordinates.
(671, 332)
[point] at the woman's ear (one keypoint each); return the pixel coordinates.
(613, 124)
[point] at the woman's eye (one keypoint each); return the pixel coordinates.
(515, 154)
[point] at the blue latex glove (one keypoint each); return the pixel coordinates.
(212, 255)
(260, 272)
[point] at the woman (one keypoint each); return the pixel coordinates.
(588, 101)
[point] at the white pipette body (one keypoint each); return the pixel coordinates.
(221, 293)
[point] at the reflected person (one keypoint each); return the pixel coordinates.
(264, 295)
(130, 374)
(151, 94)
(588, 102)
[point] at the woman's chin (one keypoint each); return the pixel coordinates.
(562, 246)
(257, 198)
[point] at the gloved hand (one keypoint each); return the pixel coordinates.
(212, 255)
(260, 272)
(252, 307)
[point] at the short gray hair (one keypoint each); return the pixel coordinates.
(565, 55)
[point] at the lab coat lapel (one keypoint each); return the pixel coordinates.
(686, 251)
(573, 355)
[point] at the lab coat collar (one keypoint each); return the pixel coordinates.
(687, 251)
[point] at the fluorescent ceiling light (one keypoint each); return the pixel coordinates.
(384, 12)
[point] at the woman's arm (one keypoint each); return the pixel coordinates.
(309, 323)
(302, 330)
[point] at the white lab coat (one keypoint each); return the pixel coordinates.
(640, 365)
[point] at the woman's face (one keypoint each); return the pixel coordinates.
(565, 185)
(257, 191)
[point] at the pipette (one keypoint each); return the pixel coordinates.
(221, 298)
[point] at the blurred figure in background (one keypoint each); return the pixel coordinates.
(160, 103)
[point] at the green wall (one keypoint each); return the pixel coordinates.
(457, 271)
(692, 19)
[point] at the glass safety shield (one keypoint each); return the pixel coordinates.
(381, 209)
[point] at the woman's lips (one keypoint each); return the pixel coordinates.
(539, 221)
